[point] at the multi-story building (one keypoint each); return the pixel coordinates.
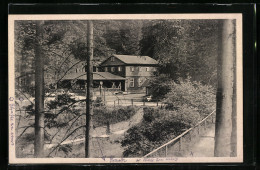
(135, 69)
(119, 72)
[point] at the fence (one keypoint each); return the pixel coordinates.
(179, 145)
(135, 102)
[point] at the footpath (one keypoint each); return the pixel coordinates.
(117, 129)
(205, 146)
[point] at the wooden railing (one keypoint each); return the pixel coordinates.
(137, 102)
(181, 143)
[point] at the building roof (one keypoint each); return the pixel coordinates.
(106, 76)
(96, 76)
(133, 59)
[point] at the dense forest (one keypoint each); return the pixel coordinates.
(186, 80)
(184, 48)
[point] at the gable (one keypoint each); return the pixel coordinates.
(117, 60)
(112, 62)
(137, 60)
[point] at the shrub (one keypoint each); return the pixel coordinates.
(158, 126)
(98, 102)
(112, 114)
(186, 102)
(193, 95)
(160, 86)
(61, 101)
(150, 114)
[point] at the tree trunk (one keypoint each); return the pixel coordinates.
(39, 93)
(89, 99)
(225, 90)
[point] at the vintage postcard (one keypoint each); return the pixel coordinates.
(125, 88)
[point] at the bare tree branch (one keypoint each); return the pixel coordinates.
(65, 139)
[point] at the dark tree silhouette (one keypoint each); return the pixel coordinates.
(39, 93)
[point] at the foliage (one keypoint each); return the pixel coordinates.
(64, 43)
(98, 102)
(160, 86)
(187, 102)
(65, 148)
(158, 126)
(60, 100)
(61, 115)
(112, 114)
(124, 36)
(191, 94)
(183, 48)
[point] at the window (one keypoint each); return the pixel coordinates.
(147, 68)
(112, 69)
(132, 69)
(140, 81)
(106, 69)
(112, 58)
(119, 68)
(131, 82)
(139, 68)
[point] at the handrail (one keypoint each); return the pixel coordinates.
(204, 119)
(178, 137)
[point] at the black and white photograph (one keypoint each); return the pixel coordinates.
(125, 88)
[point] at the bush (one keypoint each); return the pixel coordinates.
(186, 104)
(160, 86)
(98, 102)
(112, 114)
(61, 100)
(191, 95)
(158, 126)
(150, 114)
